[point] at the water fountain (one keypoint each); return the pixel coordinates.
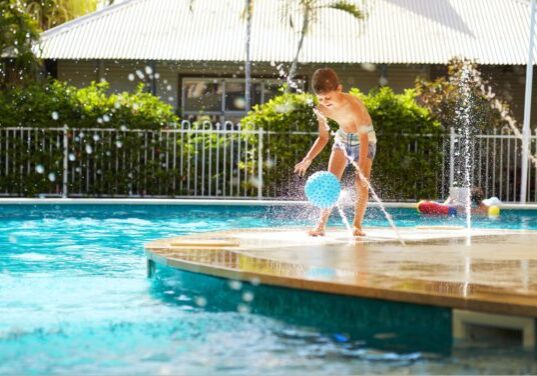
(464, 113)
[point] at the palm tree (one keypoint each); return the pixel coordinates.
(246, 15)
(18, 35)
(310, 10)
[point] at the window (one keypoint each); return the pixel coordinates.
(202, 95)
(223, 99)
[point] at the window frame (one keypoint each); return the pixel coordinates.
(222, 113)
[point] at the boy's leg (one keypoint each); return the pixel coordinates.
(336, 165)
(361, 199)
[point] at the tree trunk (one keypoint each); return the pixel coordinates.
(294, 65)
(247, 62)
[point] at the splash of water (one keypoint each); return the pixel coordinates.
(464, 112)
(344, 219)
(368, 184)
(505, 112)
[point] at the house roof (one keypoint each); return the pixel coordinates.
(395, 31)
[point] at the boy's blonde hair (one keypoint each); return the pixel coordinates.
(324, 80)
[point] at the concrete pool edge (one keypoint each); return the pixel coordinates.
(203, 202)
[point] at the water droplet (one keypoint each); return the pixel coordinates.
(239, 103)
(89, 149)
(52, 176)
(255, 182)
(106, 118)
(72, 157)
(248, 296)
(131, 77)
(200, 301)
(169, 87)
(369, 67)
(119, 144)
(148, 70)
(235, 285)
(96, 137)
(81, 135)
(78, 169)
(123, 128)
(108, 153)
(140, 74)
(243, 308)
(55, 115)
(39, 169)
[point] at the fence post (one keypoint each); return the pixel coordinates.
(260, 165)
(452, 136)
(65, 160)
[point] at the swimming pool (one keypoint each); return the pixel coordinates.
(74, 298)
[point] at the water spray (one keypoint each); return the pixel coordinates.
(464, 113)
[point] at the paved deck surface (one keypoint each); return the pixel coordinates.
(496, 273)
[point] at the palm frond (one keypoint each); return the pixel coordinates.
(347, 7)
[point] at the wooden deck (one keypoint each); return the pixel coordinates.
(497, 273)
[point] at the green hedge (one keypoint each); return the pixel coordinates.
(55, 104)
(400, 171)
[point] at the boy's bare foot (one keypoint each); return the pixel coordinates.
(317, 231)
(357, 231)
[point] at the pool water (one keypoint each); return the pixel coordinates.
(75, 299)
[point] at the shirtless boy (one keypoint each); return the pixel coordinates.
(355, 139)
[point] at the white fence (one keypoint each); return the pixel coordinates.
(496, 164)
(219, 161)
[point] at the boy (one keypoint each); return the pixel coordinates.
(355, 138)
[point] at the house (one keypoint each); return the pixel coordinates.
(194, 58)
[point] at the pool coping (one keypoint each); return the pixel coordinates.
(203, 202)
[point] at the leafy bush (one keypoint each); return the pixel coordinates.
(409, 151)
(401, 170)
(443, 97)
(18, 36)
(57, 103)
(100, 162)
(281, 119)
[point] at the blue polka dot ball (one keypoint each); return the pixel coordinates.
(322, 189)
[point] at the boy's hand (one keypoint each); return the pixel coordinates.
(300, 168)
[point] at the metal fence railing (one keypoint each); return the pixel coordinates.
(204, 161)
(223, 160)
(496, 164)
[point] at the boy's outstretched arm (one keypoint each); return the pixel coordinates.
(315, 149)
